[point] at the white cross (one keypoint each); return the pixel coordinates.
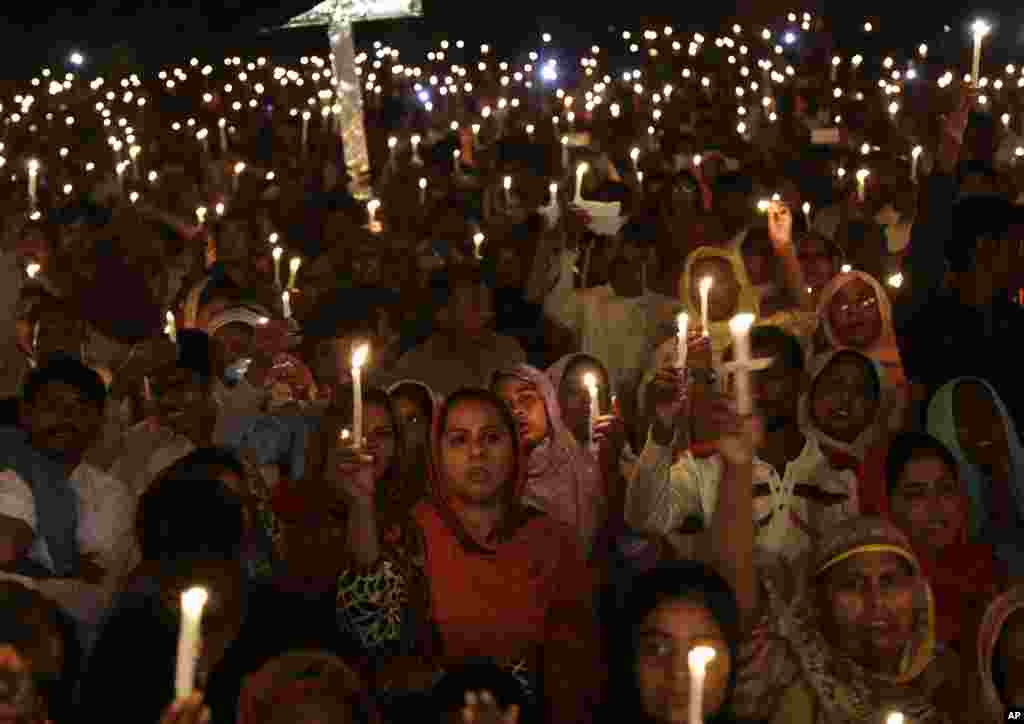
(339, 16)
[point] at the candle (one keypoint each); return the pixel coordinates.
(415, 141)
(358, 360)
(705, 290)
(740, 327)
(980, 29)
(392, 145)
(371, 208)
(634, 156)
(33, 183)
(457, 154)
(133, 153)
(171, 328)
(305, 130)
(915, 156)
(423, 192)
(507, 185)
(553, 191)
(147, 389)
(239, 170)
(201, 212)
(896, 717)
(32, 270)
(286, 304)
(293, 268)
(204, 139)
(581, 171)
(698, 660)
(834, 72)
(590, 382)
(478, 240)
(565, 152)
(682, 327)
(192, 603)
(862, 177)
(222, 125)
(806, 208)
(277, 253)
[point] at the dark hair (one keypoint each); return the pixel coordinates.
(846, 354)
(909, 446)
(976, 218)
(61, 368)
(417, 393)
(204, 464)
(194, 352)
(791, 353)
(180, 520)
(684, 580)
(444, 283)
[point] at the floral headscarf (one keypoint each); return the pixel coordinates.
(999, 611)
(846, 691)
(561, 478)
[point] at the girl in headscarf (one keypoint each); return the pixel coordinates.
(970, 419)
(562, 479)
(1000, 653)
(926, 499)
(855, 312)
(479, 574)
(656, 621)
(415, 405)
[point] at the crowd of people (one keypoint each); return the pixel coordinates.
(451, 453)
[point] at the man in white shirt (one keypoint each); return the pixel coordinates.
(791, 507)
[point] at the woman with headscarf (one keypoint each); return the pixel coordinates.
(415, 405)
(972, 421)
(1000, 652)
(855, 312)
(562, 478)
(925, 497)
(479, 573)
(857, 641)
(655, 622)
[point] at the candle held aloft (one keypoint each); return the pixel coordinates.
(979, 29)
(293, 269)
(862, 178)
(705, 291)
(286, 304)
(277, 253)
(698, 660)
(590, 382)
(740, 326)
(682, 328)
(33, 183)
(359, 357)
(581, 171)
(193, 601)
(171, 327)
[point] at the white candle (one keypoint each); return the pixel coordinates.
(305, 130)
(553, 191)
(980, 29)
(222, 125)
(204, 139)
(590, 382)
(682, 327)
(478, 241)
(896, 717)
(423, 192)
(581, 171)
(862, 177)
(33, 183)
(457, 154)
(634, 155)
(740, 327)
(392, 145)
(293, 269)
(201, 212)
(32, 270)
(565, 152)
(705, 291)
(171, 328)
(239, 170)
(147, 389)
(415, 141)
(698, 660)
(507, 185)
(277, 253)
(915, 156)
(834, 72)
(807, 213)
(286, 304)
(192, 603)
(371, 208)
(358, 360)
(133, 153)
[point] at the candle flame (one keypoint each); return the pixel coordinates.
(345, 434)
(507, 182)
(590, 381)
(294, 264)
(33, 166)
(705, 285)
(682, 322)
(194, 600)
(741, 323)
(239, 168)
(699, 658)
(32, 270)
(360, 356)
(277, 252)
(980, 29)
(895, 718)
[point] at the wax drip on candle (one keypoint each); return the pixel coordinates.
(698, 660)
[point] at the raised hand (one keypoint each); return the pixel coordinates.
(187, 711)
(780, 225)
(481, 708)
(738, 437)
(350, 473)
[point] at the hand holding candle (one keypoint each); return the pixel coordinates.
(698, 660)
(193, 601)
(359, 357)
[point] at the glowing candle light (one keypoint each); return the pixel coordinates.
(740, 326)
(682, 327)
(222, 126)
(979, 29)
(33, 183)
(478, 242)
(423, 191)
(705, 290)
(581, 171)
(293, 268)
(32, 270)
(415, 142)
(236, 180)
(698, 660)
(862, 178)
(192, 603)
(590, 382)
(457, 155)
(359, 358)
(634, 156)
(565, 152)
(392, 145)
(806, 208)
(896, 717)
(915, 157)
(306, 115)
(371, 208)
(171, 327)
(553, 193)
(286, 304)
(277, 253)
(201, 212)
(507, 185)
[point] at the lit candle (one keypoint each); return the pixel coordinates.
(286, 304)
(806, 208)
(682, 327)
(705, 291)
(33, 183)
(980, 29)
(133, 153)
(457, 154)
(147, 389)
(581, 171)
(698, 660)
(293, 268)
(305, 130)
(740, 327)
(192, 603)
(277, 253)
(239, 170)
(222, 125)
(359, 358)
(478, 241)
(896, 717)
(553, 192)
(590, 382)
(634, 156)
(201, 212)
(392, 145)
(565, 152)
(423, 192)
(507, 185)
(834, 72)
(32, 270)
(371, 208)
(915, 156)
(171, 328)
(862, 177)
(415, 142)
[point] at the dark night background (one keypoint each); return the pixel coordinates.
(168, 30)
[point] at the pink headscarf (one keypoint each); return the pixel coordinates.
(562, 479)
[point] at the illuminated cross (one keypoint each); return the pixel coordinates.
(339, 16)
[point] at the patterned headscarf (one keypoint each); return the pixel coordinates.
(846, 691)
